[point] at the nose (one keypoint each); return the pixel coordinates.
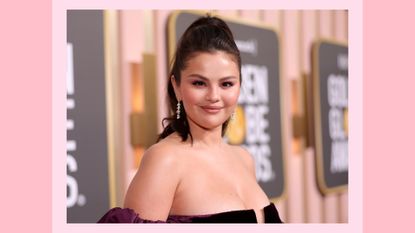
(212, 94)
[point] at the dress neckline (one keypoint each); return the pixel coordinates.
(221, 213)
(127, 215)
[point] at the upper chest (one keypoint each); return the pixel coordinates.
(216, 169)
(215, 183)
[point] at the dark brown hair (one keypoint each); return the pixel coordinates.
(206, 34)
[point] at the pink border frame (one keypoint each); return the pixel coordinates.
(59, 113)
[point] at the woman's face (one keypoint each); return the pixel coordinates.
(209, 88)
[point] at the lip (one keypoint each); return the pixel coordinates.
(211, 109)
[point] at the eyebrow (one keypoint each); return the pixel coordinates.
(206, 79)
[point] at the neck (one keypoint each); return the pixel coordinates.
(206, 137)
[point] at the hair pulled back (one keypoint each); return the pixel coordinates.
(206, 34)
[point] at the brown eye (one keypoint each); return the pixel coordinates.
(198, 83)
(227, 84)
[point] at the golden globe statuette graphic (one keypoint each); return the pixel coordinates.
(236, 128)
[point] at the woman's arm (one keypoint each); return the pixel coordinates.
(151, 192)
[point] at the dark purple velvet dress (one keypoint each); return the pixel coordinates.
(125, 215)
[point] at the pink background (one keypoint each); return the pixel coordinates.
(26, 129)
(25, 119)
(389, 116)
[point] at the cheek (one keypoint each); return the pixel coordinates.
(231, 98)
(191, 96)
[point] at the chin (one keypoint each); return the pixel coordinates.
(209, 121)
(211, 124)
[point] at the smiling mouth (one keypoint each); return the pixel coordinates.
(212, 109)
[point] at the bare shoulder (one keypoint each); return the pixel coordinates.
(160, 155)
(152, 190)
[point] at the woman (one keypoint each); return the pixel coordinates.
(191, 174)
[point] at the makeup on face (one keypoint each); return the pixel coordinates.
(210, 87)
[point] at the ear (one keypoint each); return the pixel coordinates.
(176, 88)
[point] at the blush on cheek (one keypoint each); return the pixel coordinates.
(232, 98)
(192, 96)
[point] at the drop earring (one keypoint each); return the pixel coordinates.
(178, 110)
(233, 116)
